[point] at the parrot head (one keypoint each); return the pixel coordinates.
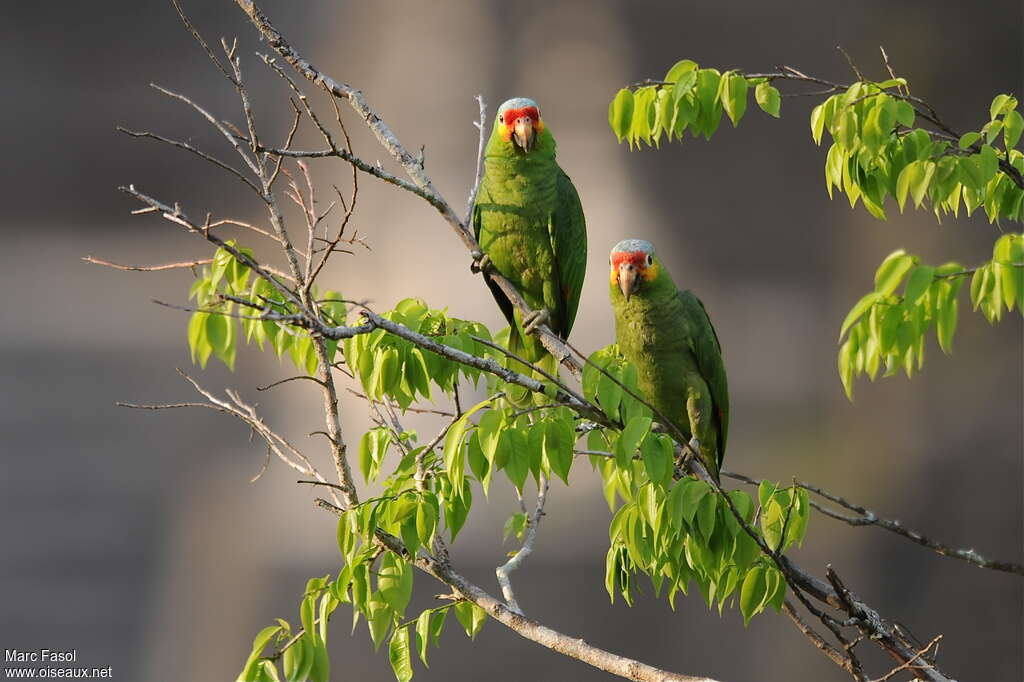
(519, 121)
(633, 264)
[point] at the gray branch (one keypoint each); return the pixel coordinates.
(412, 165)
(866, 517)
(519, 557)
(574, 647)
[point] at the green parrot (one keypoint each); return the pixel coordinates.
(530, 226)
(667, 334)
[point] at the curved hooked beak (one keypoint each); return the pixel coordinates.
(523, 133)
(628, 280)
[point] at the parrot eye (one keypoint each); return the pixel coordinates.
(501, 119)
(649, 259)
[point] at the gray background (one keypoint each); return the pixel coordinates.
(137, 538)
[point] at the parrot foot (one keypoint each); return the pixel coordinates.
(481, 262)
(695, 445)
(536, 319)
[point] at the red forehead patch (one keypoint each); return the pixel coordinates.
(511, 115)
(637, 258)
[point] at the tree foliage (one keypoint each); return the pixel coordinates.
(880, 148)
(669, 520)
(668, 526)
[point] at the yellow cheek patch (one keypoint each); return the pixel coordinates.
(539, 126)
(615, 276)
(505, 132)
(650, 272)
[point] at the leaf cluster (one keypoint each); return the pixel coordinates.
(677, 530)
(689, 98)
(221, 322)
(885, 330)
(877, 152)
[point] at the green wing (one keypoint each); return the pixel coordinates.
(708, 352)
(568, 229)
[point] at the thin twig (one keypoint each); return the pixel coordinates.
(869, 518)
(519, 557)
(148, 268)
(481, 127)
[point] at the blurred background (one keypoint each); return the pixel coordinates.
(137, 538)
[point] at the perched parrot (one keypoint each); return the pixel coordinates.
(667, 334)
(529, 223)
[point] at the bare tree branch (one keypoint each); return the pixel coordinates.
(529, 629)
(412, 166)
(533, 523)
(866, 517)
(148, 268)
(246, 413)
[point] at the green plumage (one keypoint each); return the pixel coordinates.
(529, 221)
(667, 334)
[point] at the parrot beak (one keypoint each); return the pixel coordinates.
(523, 133)
(628, 280)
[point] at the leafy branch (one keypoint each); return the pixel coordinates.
(675, 523)
(878, 151)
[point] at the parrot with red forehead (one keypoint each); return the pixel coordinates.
(530, 226)
(667, 335)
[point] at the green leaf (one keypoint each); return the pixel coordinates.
(437, 619)
(768, 98)
(890, 273)
(302, 660)
(905, 113)
(834, 163)
(733, 95)
(706, 511)
(861, 307)
(321, 668)
(197, 341)
(426, 519)
(557, 447)
(752, 593)
(219, 332)
(1013, 125)
(1001, 104)
(394, 580)
(636, 429)
(378, 618)
(518, 464)
(707, 94)
(471, 617)
(681, 69)
(968, 139)
(454, 461)
(684, 83)
(423, 635)
(515, 526)
(917, 284)
(398, 653)
(640, 127)
(456, 511)
(908, 177)
(657, 457)
(609, 395)
(817, 122)
(690, 497)
(970, 174)
(946, 318)
(620, 113)
(260, 641)
(846, 132)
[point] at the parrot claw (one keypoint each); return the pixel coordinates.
(695, 445)
(536, 319)
(481, 262)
